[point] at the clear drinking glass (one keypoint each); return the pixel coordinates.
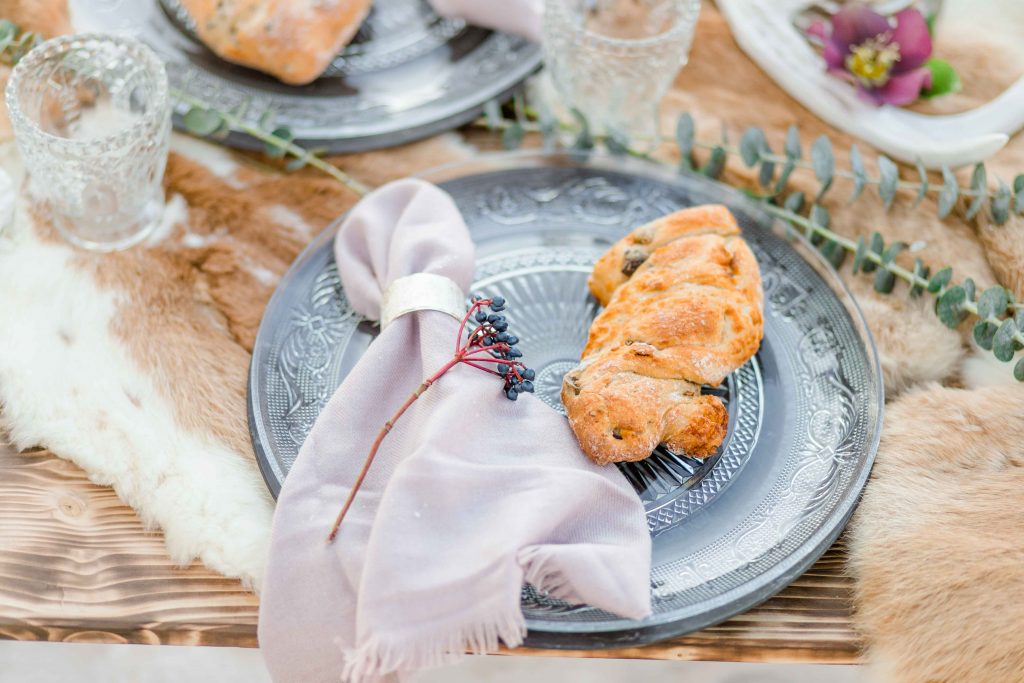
(613, 60)
(92, 119)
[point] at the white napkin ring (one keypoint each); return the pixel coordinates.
(422, 292)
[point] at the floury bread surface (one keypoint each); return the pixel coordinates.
(292, 40)
(683, 308)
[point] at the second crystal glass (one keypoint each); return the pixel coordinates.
(92, 119)
(613, 60)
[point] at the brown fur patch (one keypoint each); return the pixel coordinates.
(936, 542)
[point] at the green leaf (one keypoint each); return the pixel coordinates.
(792, 147)
(818, 217)
(1018, 370)
(984, 333)
(876, 245)
(617, 143)
(1003, 343)
(824, 163)
(1000, 207)
(884, 281)
(202, 121)
(944, 78)
(684, 139)
(969, 288)
(512, 136)
(922, 174)
(266, 121)
(787, 170)
(859, 176)
(940, 280)
(716, 163)
(584, 140)
(993, 302)
(888, 178)
(8, 31)
(950, 192)
(1018, 193)
(277, 149)
(296, 164)
(979, 185)
(794, 202)
(889, 255)
(751, 145)
(949, 306)
(833, 253)
(920, 271)
(767, 174)
(858, 255)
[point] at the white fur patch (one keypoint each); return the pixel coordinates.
(68, 384)
(216, 159)
(290, 219)
(175, 213)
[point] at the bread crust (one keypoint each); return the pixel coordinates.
(688, 314)
(292, 40)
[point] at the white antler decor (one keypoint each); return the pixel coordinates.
(765, 30)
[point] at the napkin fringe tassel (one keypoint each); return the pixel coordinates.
(379, 656)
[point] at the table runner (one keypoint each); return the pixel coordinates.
(173, 324)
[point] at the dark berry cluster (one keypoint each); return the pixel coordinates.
(491, 347)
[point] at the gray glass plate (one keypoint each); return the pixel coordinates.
(407, 74)
(804, 413)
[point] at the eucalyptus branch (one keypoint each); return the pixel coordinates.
(15, 43)
(205, 120)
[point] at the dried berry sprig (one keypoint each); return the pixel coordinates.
(489, 347)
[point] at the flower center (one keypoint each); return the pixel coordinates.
(872, 60)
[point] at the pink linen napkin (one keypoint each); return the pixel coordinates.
(470, 496)
(519, 17)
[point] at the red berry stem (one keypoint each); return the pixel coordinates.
(471, 352)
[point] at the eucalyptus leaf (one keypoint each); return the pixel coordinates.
(1001, 204)
(751, 144)
(787, 170)
(979, 186)
(716, 163)
(950, 192)
(969, 288)
(296, 163)
(512, 136)
(792, 147)
(617, 144)
(949, 306)
(1018, 193)
(858, 255)
(1018, 370)
(940, 280)
(993, 302)
(824, 163)
(266, 121)
(890, 253)
(884, 281)
(859, 176)
(833, 253)
(8, 31)
(276, 149)
(889, 177)
(584, 141)
(767, 174)
(794, 202)
(202, 121)
(984, 333)
(820, 215)
(1003, 343)
(685, 130)
(922, 190)
(920, 271)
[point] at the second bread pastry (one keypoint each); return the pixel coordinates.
(683, 308)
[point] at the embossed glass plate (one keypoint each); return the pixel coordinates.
(804, 414)
(407, 74)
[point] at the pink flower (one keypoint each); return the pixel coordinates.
(884, 57)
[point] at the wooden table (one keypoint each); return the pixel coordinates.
(76, 564)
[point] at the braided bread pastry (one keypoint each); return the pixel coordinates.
(683, 308)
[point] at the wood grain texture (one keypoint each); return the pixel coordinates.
(76, 564)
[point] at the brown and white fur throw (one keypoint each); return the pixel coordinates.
(133, 365)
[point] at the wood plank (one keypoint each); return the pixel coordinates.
(77, 565)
